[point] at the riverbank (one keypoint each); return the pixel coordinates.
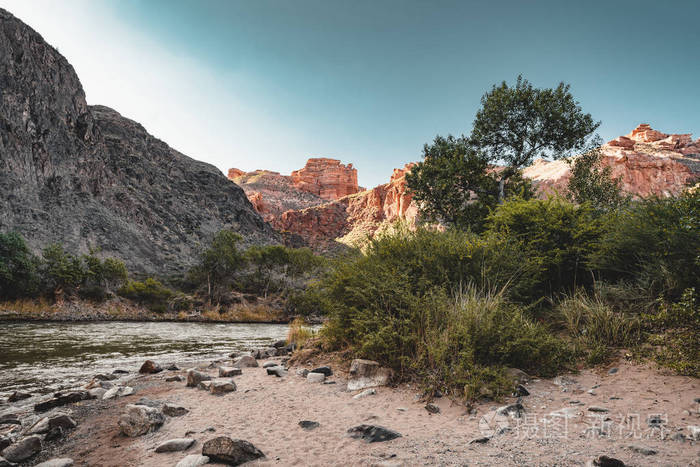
(631, 412)
(119, 309)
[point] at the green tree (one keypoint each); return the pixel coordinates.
(591, 182)
(62, 272)
(518, 124)
(18, 267)
(219, 263)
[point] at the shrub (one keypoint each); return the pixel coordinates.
(62, 272)
(19, 275)
(299, 333)
(219, 264)
(150, 293)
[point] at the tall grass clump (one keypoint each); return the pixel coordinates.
(298, 333)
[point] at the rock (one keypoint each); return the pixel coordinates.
(39, 427)
(326, 370)
(367, 374)
(22, 449)
(174, 410)
(195, 377)
(117, 391)
(480, 440)
(612, 371)
(5, 463)
(138, 420)
(303, 372)
(18, 396)
(63, 462)
(97, 393)
(643, 450)
(595, 408)
(280, 344)
(432, 408)
(230, 451)
(228, 371)
(514, 410)
(517, 375)
(4, 442)
(567, 412)
(119, 371)
(60, 399)
(54, 433)
(63, 421)
(150, 367)
(315, 377)
(219, 386)
(193, 460)
(204, 385)
(365, 393)
(521, 391)
(103, 377)
(678, 437)
(174, 445)
(326, 178)
(656, 421)
(373, 433)
(308, 424)
(173, 367)
(605, 461)
(246, 361)
(10, 419)
(270, 364)
(694, 432)
(173, 379)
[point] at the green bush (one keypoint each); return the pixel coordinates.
(150, 293)
(218, 265)
(62, 272)
(19, 275)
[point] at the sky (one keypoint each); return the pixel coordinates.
(266, 84)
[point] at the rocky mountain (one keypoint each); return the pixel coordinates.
(648, 162)
(89, 178)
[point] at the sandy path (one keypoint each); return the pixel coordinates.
(265, 410)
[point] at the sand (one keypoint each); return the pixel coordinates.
(266, 410)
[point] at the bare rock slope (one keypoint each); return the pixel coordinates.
(87, 177)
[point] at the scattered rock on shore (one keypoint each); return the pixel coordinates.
(150, 367)
(60, 399)
(174, 445)
(174, 410)
(23, 449)
(219, 386)
(373, 433)
(193, 460)
(432, 408)
(18, 396)
(118, 391)
(367, 374)
(643, 450)
(605, 461)
(227, 371)
(64, 462)
(173, 379)
(230, 451)
(195, 377)
(315, 377)
(308, 424)
(365, 393)
(246, 361)
(326, 370)
(277, 371)
(139, 420)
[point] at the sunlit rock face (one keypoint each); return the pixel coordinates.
(327, 178)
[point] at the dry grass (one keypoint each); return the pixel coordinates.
(298, 333)
(253, 313)
(27, 306)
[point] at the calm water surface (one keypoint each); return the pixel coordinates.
(44, 357)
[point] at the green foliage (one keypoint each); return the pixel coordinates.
(62, 272)
(150, 293)
(557, 237)
(19, 275)
(592, 183)
(275, 266)
(654, 243)
(219, 264)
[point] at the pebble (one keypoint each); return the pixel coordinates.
(595, 408)
(308, 424)
(193, 460)
(432, 408)
(64, 462)
(612, 371)
(315, 377)
(643, 450)
(365, 393)
(174, 445)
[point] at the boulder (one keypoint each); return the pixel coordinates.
(373, 433)
(175, 445)
(174, 410)
(41, 426)
(173, 379)
(605, 461)
(150, 367)
(60, 399)
(63, 462)
(195, 377)
(326, 370)
(246, 361)
(204, 385)
(277, 371)
(230, 451)
(18, 396)
(227, 371)
(138, 420)
(23, 449)
(315, 377)
(193, 460)
(308, 424)
(367, 374)
(222, 386)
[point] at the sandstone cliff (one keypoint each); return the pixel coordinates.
(89, 178)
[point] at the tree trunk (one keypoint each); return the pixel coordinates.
(501, 189)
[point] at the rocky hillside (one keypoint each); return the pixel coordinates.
(89, 178)
(648, 162)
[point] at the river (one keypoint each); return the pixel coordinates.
(41, 357)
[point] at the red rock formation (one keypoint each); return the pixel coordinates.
(235, 173)
(327, 178)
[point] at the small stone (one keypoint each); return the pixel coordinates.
(230, 451)
(54, 433)
(678, 437)
(365, 393)
(120, 372)
(174, 410)
(605, 461)
(643, 450)
(277, 371)
(279, 344)
(246, 361)
(308, 424)
(521, 391)
(270, 364)
(175, 445)
(193, 460)
(10, 419)
(23, 449)
(140, 419)
(118, 391)
(228, 371)
(63, 421)
(195, 377)
(481, 440)
(18, 396)
(41, 426)
(150, 367)
(103, 377)
(222, 386)
(432, 408)
(595, 408)
(373, 433)
(367, 374)
(302, 372)
(612, 371)
(694, 432)
(64, 462)
(591, 392)
(173, 379)
(655, 421)
(326, 370)
(315, 377)
(514, 410)
(173, 367)
(204, 385)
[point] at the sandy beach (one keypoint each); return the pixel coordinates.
(556, 427)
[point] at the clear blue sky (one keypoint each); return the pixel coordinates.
(266, 84)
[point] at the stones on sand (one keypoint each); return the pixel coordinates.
(642, 450)
(173, 379)
(193, 460)
(270, 364)
(138, 420)
(18, 396)
(60, 399)
(365, 393)
(277, 371)
(64, 462)
(367, 374)
(326, 370)
(230, 451)
(222, 386)
(521, 391)
(514, 410)
(195, 377)
(150, 367)
(174, 410)
(373, 433)
(432, 408)
(480, 440)
(308, 424)
(118, 391)
(23, 449)
(315, 377)
(597, 409)
(605, 461)
(228, 371)
(175, 445)
(246, 361)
